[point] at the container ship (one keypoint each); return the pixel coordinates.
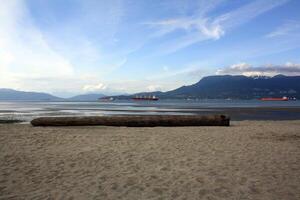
(106, 99)
(274, 99)
(145, 98)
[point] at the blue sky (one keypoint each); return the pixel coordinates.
(67, 47)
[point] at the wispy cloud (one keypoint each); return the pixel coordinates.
(201, 26)
(152, 88)
(93, 88)
(265, 70)
(33, 57)
(288, 28)
(247, 12)
(100, 45)
(23, 48)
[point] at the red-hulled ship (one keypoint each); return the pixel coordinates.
(145, 98)
(274, 99)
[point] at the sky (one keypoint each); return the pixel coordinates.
(67, 47)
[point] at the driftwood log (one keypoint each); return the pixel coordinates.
(134, 121)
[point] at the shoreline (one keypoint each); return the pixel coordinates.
(237, 110)
(236, 113)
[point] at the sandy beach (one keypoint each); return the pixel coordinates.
(248, 160)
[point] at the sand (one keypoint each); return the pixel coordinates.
(249, 160)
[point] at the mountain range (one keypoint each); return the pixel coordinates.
(233, 87)
(210, 87)
(240, 87)
(10, 95)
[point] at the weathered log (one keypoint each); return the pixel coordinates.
(134, 121)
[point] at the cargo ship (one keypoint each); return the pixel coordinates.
(145, 98)
(274, 99)
(106, 99)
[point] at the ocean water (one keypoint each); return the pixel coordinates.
(239, 109)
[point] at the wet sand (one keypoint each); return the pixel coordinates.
(249, 160)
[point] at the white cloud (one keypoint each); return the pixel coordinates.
(93, 88)
(56, 58)
(290, 27)
(292, 69)
(152, 88)
(247, 12)
(196, 30)
(24, 52)
(200, 26)
(240, 66)
(67, 56)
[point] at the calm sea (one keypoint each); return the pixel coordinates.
(238, 109)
